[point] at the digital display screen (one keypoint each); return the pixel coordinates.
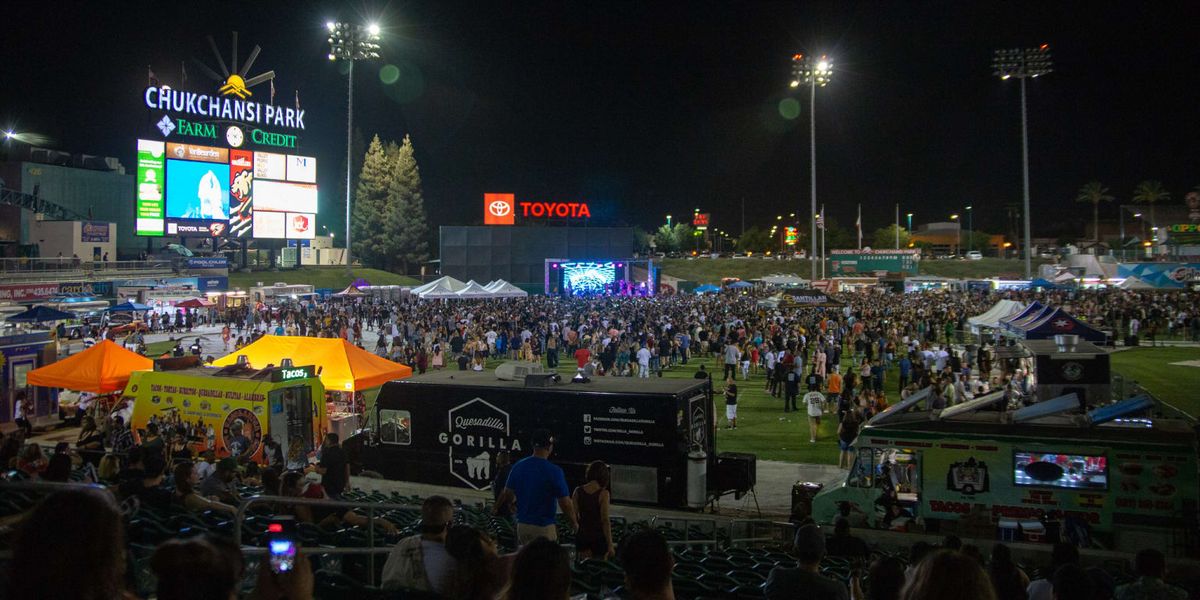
(269, 225)
(588, 278)
(284, 197)
(197, 190)
(1068, 471)
(150, 181)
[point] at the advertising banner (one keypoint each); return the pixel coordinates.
(1161, 275)
(207, 262)
(269, 225)
(285, 197)
(302, 169)
(214, 284)
(301, 226)
(857, 262)
(241, 184)
(86, 288)
(93, 231)
(499, 209)
(27, 292)
(225, 416)
(268, 165)
(150, 181)
(197, 153)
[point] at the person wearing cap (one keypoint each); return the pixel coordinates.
(222, 483)
(805, 580)
(537, 484)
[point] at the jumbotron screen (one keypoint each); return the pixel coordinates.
(588, 278)
(187, 190)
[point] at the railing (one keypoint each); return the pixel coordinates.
(28, 268)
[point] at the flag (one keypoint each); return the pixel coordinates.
(297, 100)
(151, 78)
(272, 91)
(858, 226)
(821, 221)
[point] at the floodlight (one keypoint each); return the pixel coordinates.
(373, 28)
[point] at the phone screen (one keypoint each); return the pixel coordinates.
(283, 555)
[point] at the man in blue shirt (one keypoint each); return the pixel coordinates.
(537, 484)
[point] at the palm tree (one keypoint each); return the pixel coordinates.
(1150, 192)
(1095, 193)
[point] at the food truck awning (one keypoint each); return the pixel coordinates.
(101, 369)
(344, 366)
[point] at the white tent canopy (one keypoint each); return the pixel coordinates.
(1134, 283)
(783, 280)
(473, 290)
(504, 289)
(991, 318)
(443, 287)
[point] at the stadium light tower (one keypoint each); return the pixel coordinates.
(1023, 63)
(813, 72)
(351, 43)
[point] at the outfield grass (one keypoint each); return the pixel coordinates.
(710, 270)
(335, 278)
(1152, 368)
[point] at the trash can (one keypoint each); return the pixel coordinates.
(803, 493)
(697, 484)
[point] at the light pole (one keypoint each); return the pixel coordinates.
(350, 43)
(1023, 63)
(970, 229)
(668, 221)
(814, 74)
(957, 233)
(909, 215)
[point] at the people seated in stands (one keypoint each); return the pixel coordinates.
(648, 564)
(948, 575)
(70, 547)
(844, 544)
(299, 485)
(541, 570)
(885, 579)
(222, 484)
(421, 562)
(1150, 566)
(198, 568)
(148, 488)
(480, 572)
(1042, 588)
(185, 492)
(805, 580)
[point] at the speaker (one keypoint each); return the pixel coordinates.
(540, 380)
(736, 471)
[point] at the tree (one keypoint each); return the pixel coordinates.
(404, 217)
(885, 237)
(1094, 192)
(755, 240)
(1151, 192)
(370, 240)
(674, 239)
(641, 240)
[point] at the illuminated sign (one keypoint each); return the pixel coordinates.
(269, 225)
(216, 107)
(241, 186)
(266, 138)
(300, 226)
(791, 236)
(291, 373)
(700, 220)
(302, 169)
(499, 209)
(285, 197)
(270, 166)
(193, 129)
(151, 168)
(200, 153)
(561, 210)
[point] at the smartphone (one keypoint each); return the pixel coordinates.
(281, 544)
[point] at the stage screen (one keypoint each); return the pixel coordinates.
(197, 190)
(284, 197)
(1070, 471)
(588, 278)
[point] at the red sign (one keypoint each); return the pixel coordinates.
(560, 210)
(499, 209)
(25, 293)
(700, 220)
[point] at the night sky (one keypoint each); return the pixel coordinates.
(649, 108)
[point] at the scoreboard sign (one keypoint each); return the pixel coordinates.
(857, 262)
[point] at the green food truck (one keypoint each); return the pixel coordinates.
(1127, 480)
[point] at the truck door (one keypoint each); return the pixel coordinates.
(292, 417)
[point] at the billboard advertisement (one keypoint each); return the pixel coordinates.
(857, 262)
(283, 197)
(241, 184)
(268, 165)
(150, 180)
(499, 209)
(302, 169)
(93, 231)
(197, 190)
(269, 225)
(300, 226)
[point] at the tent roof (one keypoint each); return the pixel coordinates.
(783, 279)
(439, 285)
(344, 366)
(101, 369)
(504, 289)
(708, 287)
(1134, 283)
(1034, 308)
(351, 291)
(1058, 321)
(740, 285)
(127, 306)
(196, 303)
(474, 290)
(40, 314)
(991, 317)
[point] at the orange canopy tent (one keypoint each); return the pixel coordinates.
(101, 369)
(344, 366)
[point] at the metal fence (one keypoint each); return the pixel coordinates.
(60, 268)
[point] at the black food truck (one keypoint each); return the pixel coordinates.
(446, 428)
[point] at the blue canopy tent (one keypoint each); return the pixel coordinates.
(1034, 308)
(127, 307)
(1059, 321)
(740, 285)
(40, 314)
(1023, 324)
(707, 288)
(1043, 283)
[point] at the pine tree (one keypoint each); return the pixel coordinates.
(405, 211)
(370, 236)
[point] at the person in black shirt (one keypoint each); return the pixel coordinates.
(701, 374)
(844, 544)
(334, 467)
(805, 580)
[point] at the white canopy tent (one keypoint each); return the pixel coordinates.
(474, 290)
(785, 280)
(1134, 283)
(443, 287)
(504, 289)
(991, 318)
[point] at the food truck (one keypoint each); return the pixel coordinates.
(1125, 477)
(447, 428)
(230, 410)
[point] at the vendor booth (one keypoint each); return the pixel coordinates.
(992, 317)
(100, 371)
(345, 370)
(20, 355)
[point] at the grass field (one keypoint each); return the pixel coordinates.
(1152, 368)
(709, 270)
(319, 277)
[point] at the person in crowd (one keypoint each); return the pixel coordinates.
(847, 432)
(1009, 581)
(948, 575)
(32, 462)
(185, 492)
(270, 480)
(70, 547)
(503, 468)
(179, 450)
(273, 452)
(805, 580)
(334, 467)
(1063, 553)
(594, 538)
(541, 570)
(205, 567)
(480, 573)
(845, 544)
(536, 484)
(648, 564)
(58, 468)
(1071, 582)
(814, 402)
(110, 467)
(731, 403)
(222, 484)
(24, 412)
(1150, 566)
(885, 578)
(296, 484)
(90, 441)
(421, 562)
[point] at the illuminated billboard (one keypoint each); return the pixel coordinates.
(588, 278)
(284, 197)
(150, 181)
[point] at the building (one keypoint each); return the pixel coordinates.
(950, 237)
(518, 254)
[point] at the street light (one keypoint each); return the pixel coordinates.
(351, 43)
(813, 74)
(1023, 63)
(957, 232)
(668, 221)
(970, 229)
